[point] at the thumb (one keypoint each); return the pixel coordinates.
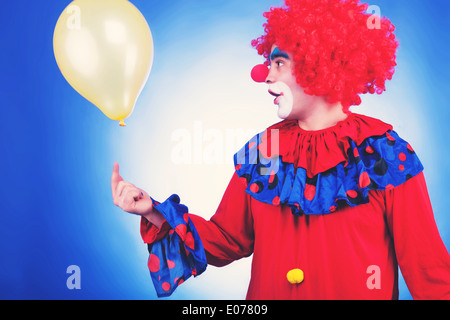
(116, 167)
(115, 177)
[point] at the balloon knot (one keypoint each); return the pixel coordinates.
(122, 124)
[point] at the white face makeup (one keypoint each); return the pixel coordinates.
(283, 98)
(281, 82)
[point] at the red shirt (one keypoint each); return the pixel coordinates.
(351, 253)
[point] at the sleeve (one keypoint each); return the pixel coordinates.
(229, 234)
(186, 243)
(176, 251)
(421, 254)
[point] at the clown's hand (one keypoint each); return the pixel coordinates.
(132, 199)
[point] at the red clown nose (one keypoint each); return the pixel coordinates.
(259, 73)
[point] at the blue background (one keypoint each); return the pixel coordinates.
(57, 149)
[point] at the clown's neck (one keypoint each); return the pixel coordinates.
(322, 116)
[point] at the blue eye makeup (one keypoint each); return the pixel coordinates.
(277, 53)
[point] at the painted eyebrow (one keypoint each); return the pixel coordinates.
(277, 53)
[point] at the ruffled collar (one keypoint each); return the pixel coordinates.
(317, 172)
(318, 151)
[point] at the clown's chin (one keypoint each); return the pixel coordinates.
(285, 102)
(284, 109)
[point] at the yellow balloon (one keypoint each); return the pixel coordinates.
(104, 49)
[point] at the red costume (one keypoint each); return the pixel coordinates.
(339, 248)
(346, 204)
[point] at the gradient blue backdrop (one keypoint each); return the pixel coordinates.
(57, 149)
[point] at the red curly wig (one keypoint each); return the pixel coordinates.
(336, 54)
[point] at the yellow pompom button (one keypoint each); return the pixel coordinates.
(295, 276)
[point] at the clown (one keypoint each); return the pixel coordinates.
(333, 204)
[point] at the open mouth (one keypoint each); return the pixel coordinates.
(276, 95)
